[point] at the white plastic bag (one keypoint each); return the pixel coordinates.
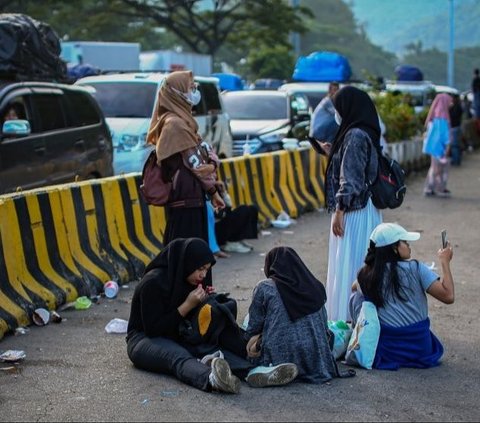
(117, 326)
(364, 340)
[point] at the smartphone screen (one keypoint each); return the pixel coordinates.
(444, 239)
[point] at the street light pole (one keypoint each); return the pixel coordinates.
(451, 49)
(295, 36)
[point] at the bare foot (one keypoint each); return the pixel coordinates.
(221, 254)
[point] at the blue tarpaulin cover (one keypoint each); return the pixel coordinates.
(79, 71)
(229, 81)
(322, 66)
(408, 73)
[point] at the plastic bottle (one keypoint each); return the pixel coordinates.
(246, 147)
(111, 289)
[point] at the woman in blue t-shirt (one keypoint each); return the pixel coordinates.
(397, 286)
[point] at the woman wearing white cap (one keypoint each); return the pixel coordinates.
(397, 286)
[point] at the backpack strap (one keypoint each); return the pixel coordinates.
(379, 153)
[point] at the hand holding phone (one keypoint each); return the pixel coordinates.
(444, 239)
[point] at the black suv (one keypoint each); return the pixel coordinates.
(50, 134)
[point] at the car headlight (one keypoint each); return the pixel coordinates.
(274, 137)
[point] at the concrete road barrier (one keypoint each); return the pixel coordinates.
(66, 241)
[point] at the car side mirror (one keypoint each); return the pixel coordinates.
(16, 128)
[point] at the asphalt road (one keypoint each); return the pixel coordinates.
(75, 371)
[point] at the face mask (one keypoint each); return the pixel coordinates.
(194, 97)
(338, 118)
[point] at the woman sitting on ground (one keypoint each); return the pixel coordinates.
(235, 225)
(397, 286)
(287, 319)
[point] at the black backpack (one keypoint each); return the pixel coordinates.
(388, 189)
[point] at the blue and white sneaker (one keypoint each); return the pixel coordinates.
(262, 376)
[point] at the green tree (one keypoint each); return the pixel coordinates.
(271, 62)
(206, 26)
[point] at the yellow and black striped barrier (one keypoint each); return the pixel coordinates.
(279, 181)
(66, 241)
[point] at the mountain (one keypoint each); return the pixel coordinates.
(392, 24)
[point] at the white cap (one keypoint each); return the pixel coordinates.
(390, 233)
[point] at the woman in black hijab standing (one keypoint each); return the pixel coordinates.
(288, 311)
(352, 163)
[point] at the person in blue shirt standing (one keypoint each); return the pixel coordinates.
(437, 145)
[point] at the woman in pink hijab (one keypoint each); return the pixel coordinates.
(437, 145)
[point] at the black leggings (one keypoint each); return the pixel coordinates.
(163, 355)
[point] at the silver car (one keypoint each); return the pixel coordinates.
(128, 101)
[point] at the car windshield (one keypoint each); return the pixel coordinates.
(256, 107)
(314, 98)
(125, 99)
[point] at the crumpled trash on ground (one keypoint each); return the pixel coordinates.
(282, 221)
(41, 316)
(116, 326)
(82, 303)
(12, 355)
(21, 330)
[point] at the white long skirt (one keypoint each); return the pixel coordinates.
(346, 256)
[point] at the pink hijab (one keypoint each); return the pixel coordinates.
(439, 108)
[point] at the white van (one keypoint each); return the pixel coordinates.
(422, 92)
(128, 101)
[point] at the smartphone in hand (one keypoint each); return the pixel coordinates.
(444, 239)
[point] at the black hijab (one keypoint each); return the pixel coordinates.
(179, 259)
(357, 110)
(301, 292)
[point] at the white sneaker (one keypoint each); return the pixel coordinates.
(209, 357)
(221, 377)
(248, 245)
(262, 376)
(235, 247)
